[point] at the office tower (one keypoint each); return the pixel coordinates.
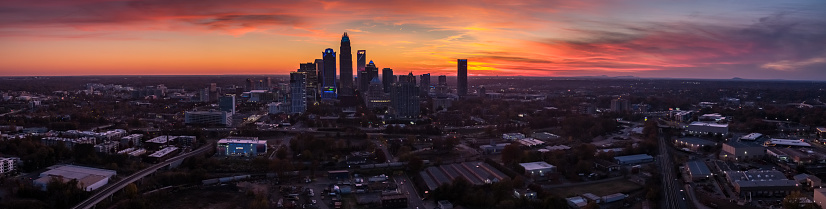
(441, 87)
(248, 85)
(619, 105)
(387, 79)
(346, 68)
(309, 70)
(405, 97)
(205, 94)
(361, 59)
(461, 78)
(319, 68)
(371, 72)
(298, 92)
(363, 81)
(424, 83)
(482, 91)
(227, 103)
(375, 96)
(213, 92)
(328, 87)
(268, 83)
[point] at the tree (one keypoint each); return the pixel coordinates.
(281, 153)
(131, 190)
(380, 156)
(792, 201)
(415, 164)
(511, 153)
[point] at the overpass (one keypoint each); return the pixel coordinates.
(110, 189)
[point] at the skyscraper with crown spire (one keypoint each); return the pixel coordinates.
(345, 66)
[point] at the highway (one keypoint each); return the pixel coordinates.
(111, 188)
(673, 188)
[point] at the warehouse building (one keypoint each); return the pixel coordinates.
(476, 173)
(761, 183)
(693, 143)
(163, 154)
(539, 170)
(707, 128)
(634, 159)
(739, 150)
(697, 170)
(88, 179)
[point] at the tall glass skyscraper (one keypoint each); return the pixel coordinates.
(328, 87)
(461, 78)
(298, 94)
(312, 81)
(387, 79)
(346, 65)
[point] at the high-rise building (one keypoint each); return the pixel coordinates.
(619, 105)
(205, 94)
(363, 81)
(213, 92)
(405, 97)
(208, 118)
(371, 72)
(387, 79)
(227, 103)
(309, 70)
(298, 92)
(461, 78)
(361, 60)
(328, 87)
(375, 96)
(346, 65)
(424, 83)
(268, 83)
(441, 87)
(482, 92)
(248, 85)
(319, 68)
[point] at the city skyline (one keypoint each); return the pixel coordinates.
(708, 39)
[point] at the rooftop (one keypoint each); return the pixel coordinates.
(242, 140)
(536, 165)
(821, 129)
(698, 168)
(697, 123)
(759, 178)
(697, 141)
(741, 144)
(633, 157)
(76, 172)
(161, 139)
(788, 142)
(163, 152)
(751, 136)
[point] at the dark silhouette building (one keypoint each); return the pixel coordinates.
(370, 72)
(387, 79)
(461, 78)
(424, 83)
(309, 70)
(248, 86)
(328, 86)
(405, 97)
(346, 66)
(361, 60)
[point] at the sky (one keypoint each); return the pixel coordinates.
(716, 39)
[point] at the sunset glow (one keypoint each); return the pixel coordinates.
(691, 39)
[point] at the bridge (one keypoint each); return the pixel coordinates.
(110, 189)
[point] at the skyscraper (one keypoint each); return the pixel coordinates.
(319, 68)
(461, 78)
(371, 71)
(328, 87)
(298, 94)
(346, 68)
(309, 70)
(441, 87)
(248, 85)
(361, 60)
(213, 92)
(362, 81)
(405, 97)
(375, 96)
(424, 83)
(387, 78)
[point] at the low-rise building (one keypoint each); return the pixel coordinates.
(798, 156)
(634, 159)
(739, 150)
(786, 142)
(752, 137)
(513, 136)
(88, 179)
(693, 143)
(218, 118)
(697, 170)
(242, 146)
(8, 165)
(820, 197)
(131, 140)
(576, 202)
(163, 154)
(761, 183)
(707, 128)
(539, 170)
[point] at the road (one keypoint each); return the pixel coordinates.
(673, 188)
(111, 188)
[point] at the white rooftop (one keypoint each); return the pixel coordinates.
(161, 139)
(751, 136)
(536, 166)
(697, 123)
(164, 151)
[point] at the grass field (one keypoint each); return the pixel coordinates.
(600, 189)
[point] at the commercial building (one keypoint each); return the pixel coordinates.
(219, 118)
(634, 159)
(309, 70)
(298, 94)
(761, 183)
(277, 108)
(697, 170)
(576, 202)
(752, 137)
(375, 96)
(405, 97)
(328, 85)
(786, 142)
(476, 173)
(424, 83)
(131, 140)
(693, 144)
(227, 104)
(798, 156)
(387, 79)
(820, 197)
(461, 77)
(242, 146)
(513, 136)
(393, 200)
(539, 170)
(163, 154)
(707, 128)
(493, 148)
(740, 150)
(346, 65)
(88, 179)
